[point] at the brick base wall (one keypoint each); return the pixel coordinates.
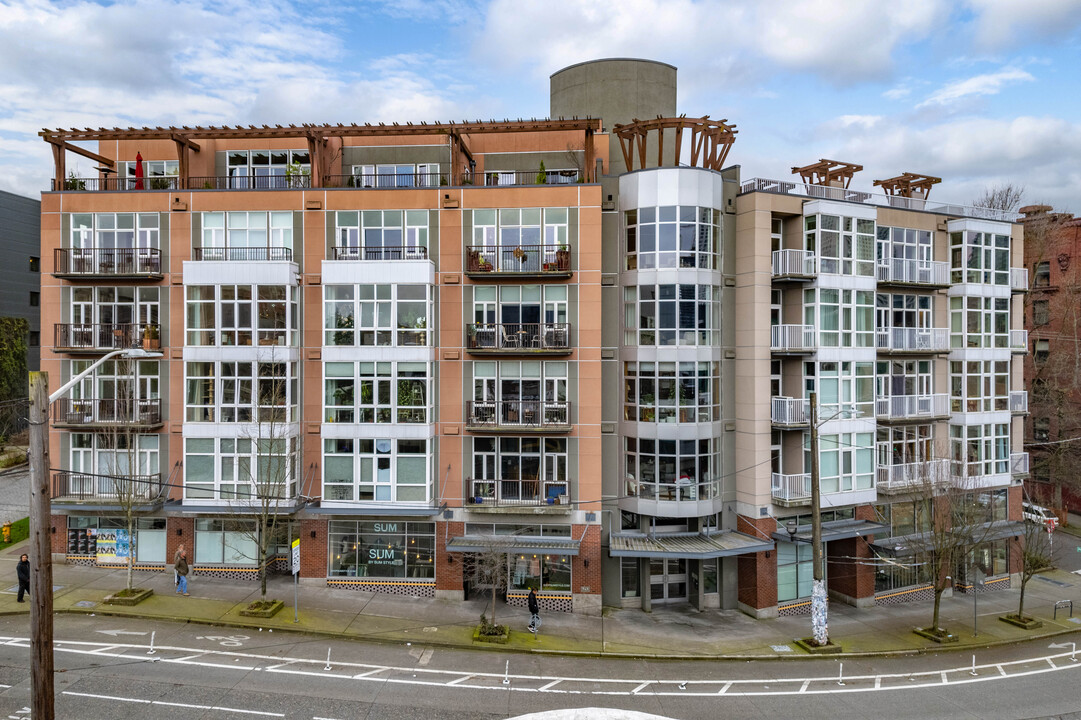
(586, 566)
(448, 566)
(757, 572)
(59, 540)
(313, 551)
(186, 526)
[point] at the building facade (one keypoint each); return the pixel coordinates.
(20, 278)
(585, 343)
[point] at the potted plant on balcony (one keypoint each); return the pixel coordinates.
(74, 183)
(151, 340)
(542, 175)
(563, 257)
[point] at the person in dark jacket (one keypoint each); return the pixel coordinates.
(534, 610)
(23, 570)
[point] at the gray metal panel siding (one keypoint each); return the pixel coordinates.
(20, 239)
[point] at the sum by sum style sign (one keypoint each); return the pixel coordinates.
(384, 551)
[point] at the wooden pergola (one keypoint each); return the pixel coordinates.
(186, 139)
(905, 184)
(827, 172)
(710, 140)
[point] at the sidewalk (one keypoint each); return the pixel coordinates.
(672, 632)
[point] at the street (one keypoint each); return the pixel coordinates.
(107, 668)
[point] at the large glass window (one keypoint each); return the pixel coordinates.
(268, 169)
(381, 549)
(979, 322)
(148, 544)
(843, 318)
(795, 570)
(242, 315)
(241, 392)
(977, 386)
(226, 542)
(400, 175)
(526, 469)
(103, 463)
(979, 257)
(379, 470)
(376, 392)
(381, 235)
(669, 392)
(537, 571)
(846, 461)
(672, 469)
(519, 316)
(240, 469)
(978, 450)
(844, 245)
(526, 392)
(377, 315)
(671, 315)
(845, 389)
(672, 236)
(113, 231)
(247, 236)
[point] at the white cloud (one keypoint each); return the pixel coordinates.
(897, 93)
(986, 84)
(863, 121)
(818, 36)
(1002, 23)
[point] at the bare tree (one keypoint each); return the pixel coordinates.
(490, 571)
(1005, 197)
(266, 467)
(1035, 556)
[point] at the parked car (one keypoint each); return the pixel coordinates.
(1039, 515)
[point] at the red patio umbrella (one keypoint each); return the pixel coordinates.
(138, 171)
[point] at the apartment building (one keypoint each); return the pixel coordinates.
(1052, 240)
(586, 343)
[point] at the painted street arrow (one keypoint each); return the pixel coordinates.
(114, 633)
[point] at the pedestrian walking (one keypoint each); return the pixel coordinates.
(534, 611)
(180, 565)
(23, 570)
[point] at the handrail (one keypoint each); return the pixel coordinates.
(107, 411)
(379, 252)
(242, 254)
(517, 413)
(106, 261)
(517, 258)
(518, 336)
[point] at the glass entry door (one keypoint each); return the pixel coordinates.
(668, 580)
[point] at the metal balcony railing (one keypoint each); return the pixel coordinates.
(908, 476)
(518, 337)
(798, 263)
(1019, 463)
(72, 486)
(384, 181)
(675, 490)
(1019, 341)
(537, 259)
(516, 493)
(791, 487)
(790, 411)
(913, 339)
(792, 338)
(913, 272)
(900, 407)
(107, 262)
(382, 252)
(242, 254)
(513, 414)
(505, 178)
(1019, 279)
(250, 182)
(107, 412)
(97, 336)
(1019, 401)
(96, 184)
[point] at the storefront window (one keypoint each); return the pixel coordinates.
(149, 536)
(382, 549)
(629, 573)
(794, 570)
(226, 542)
(709, 576)
(530, 571)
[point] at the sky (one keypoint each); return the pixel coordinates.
(978, 92)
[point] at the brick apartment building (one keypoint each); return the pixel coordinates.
(563, 338)
(1053, 319)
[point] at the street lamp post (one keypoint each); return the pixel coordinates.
(41, 577)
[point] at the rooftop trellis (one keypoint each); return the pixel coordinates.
(907, 184)
(710, 140)
(828, 173)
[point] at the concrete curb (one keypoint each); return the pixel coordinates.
(567, 653)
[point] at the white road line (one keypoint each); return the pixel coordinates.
(1001, 671)
(803, 688)
(140, 701)
(640, 688)
(878, 683)
(724, 689)
(549, 685)
(463, 678)
(378, 670)
(1051, 663)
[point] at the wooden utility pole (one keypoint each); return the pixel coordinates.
(41, 566)
(818, 600)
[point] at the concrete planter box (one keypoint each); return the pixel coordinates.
(260, 609)
(122, 598)
(938, 637)
(496, 639)
(808, 645)
(1025, 623)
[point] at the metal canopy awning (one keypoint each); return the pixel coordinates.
(909, 545)
(377, 511)
(695, 546)
(833, 530)
(239, 511)
(513, 543)
(998, 530)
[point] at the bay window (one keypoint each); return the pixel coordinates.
(376, 392)
(377, 470)
(242, 315)
(240, 469)
(377, 315)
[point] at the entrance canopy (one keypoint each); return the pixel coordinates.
(909, 545)
(513, 543)
(833, 530)
(695, 546)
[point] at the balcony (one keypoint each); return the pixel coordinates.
(299, 181)
(1019, 341)
(143, 491)
(674, 497)
(792, 339)
(790, 412)
(103, 338)
(1019, 402)
(1019, 464)
(518, 338)
(382, 252)
(112, 263)
(1019, 279)
(799, 265)
(511, 178)
(791, 490)
(908, 477)
(515, 416)
(116, 184)
(895, 271)
(242, 254)
(384, 181)
(107, 413)
(912, 407)
(913, 340)
(533, 496)
(518, 261)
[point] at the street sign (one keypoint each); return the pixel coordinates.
(296, 556)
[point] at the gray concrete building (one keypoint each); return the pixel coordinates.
(20, 271)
